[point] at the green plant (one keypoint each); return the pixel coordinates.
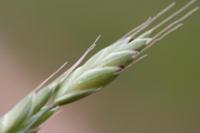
(82, 80)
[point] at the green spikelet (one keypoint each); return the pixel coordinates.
(83, 79)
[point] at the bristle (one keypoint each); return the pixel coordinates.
(71, 69)
(150, 20)
(174, 15)
(176, 22)
(50, 77)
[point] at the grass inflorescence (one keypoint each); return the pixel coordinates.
(83, 79)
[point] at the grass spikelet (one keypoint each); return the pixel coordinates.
(83, 79)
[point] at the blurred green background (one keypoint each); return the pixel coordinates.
(158, 95)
